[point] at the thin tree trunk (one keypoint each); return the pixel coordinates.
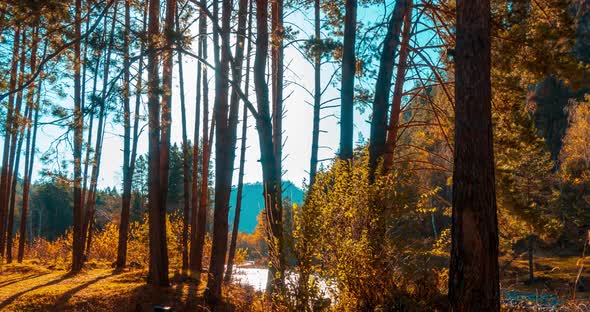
(126, 196)
(27, 180)
(382, 86)
(317, 96)
(400, 79)
(91, 120)
(347, 87)
(226, 122)
(236, 223)
(7, 134)
(185, 163)
(28, 114)
(158, 273)
(200, 198)
(232, 247)
(473, 273)
(17, 119)
(128, 180)
(12, 203)
(78, 242)
(91, 196)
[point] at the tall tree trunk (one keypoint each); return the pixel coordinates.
(185, 162)
(317, 96)
(78, 242)
(347, 87)
(236, 223)
(16, 167)
(383, 86)
(4, 177)
(200, 197)
(166, 120)
(126, 196)
(27, 180)
(15, 133)
(91, 120)
(232, 246)
(270, 175)
(30, 107)
(91, 196)
(276, 275)
(158, 272)
(400, 79)
(473, 273)
(129, 161)
(226, 121)
(166, 106)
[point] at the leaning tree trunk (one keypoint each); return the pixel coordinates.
(382, 86)
(347, 87)
(473, 273)
(400, 79)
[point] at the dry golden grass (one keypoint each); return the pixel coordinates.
(29, 287)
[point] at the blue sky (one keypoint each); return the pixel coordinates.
(297, 124)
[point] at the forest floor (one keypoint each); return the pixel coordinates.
(31, 287)
(554, 282)
(26, 287)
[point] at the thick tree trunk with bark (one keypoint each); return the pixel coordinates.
(166, 106)
(158, 273)
(382, 86)
(270, 175)
(347, 86)
(473, 274)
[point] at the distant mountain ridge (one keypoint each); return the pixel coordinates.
(253, 203)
